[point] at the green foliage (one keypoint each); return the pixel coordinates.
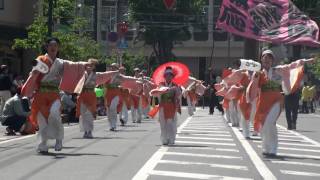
(315, 68)
(160, 27)
(75, 45)
(129, 61)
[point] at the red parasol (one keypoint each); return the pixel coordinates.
(181, 72)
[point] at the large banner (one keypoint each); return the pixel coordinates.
(277, 21)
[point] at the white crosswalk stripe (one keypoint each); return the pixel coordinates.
(199, 144)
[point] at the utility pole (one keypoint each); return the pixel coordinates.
(50, 18)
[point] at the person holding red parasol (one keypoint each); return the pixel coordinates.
(169, 95)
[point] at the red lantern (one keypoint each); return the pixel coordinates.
(123, 27)
(169, 3)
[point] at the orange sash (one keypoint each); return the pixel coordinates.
(42, 103)
(145, 101)
(264, 104)
(245, 107)
(135, 101)
(111, 93)
(169, 110)
(89, 99)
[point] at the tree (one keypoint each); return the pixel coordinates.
(160, 27)
(75, 45)
(129, 61)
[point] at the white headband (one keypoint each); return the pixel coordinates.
(268, 51)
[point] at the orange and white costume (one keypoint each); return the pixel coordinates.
(169, 96)
(87, 101)
(44, 88)
(192, 89)
(270, 99)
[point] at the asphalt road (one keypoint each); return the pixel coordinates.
(206, 148)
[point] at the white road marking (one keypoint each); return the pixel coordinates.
(194, 175)
(144, 172)
(256, 160)
(234, 167)
(17, 139)
(207, 131)
(201, 128)
(291, 140)
(288, 136)
(205, 143)
(299, 156)
(291, 144)
(208, 126)
(296, 149)
(203, 138)
(207, 148)
(296, 163)
(302, 136)
(300, 173)
(209, 135)
(202, 155)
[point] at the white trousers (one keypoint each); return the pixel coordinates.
(245, 125)
(112, 112)
(146, 111)
(136, 113)
(234, 114)
(4, 96)
(191, 107)
(168, 128)
(269, 132)
(253, 111)
(86, 119)
(124, 113)
(51, 128)
(227, 115)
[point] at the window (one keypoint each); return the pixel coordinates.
(1, 4)
(108, 18)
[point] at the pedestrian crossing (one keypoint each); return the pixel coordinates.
(207, 148)
(204, 149)
(298, 156)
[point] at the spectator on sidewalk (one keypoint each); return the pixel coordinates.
(306, 97)
(15, 114)
(5, 86)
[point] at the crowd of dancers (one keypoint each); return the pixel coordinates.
(252, 93)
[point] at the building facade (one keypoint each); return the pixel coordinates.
(197, 52)
(15, 16)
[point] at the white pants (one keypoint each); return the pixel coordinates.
(269, 132)
(112, 112)
(86, 119)
(191, 107)
(4, 96)
(245, 125)
(51, 128)
(253, 110)
(168, 128)
(227, 115)
(146, 111)
(137, 113)
(124, 113)
(234, 115)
